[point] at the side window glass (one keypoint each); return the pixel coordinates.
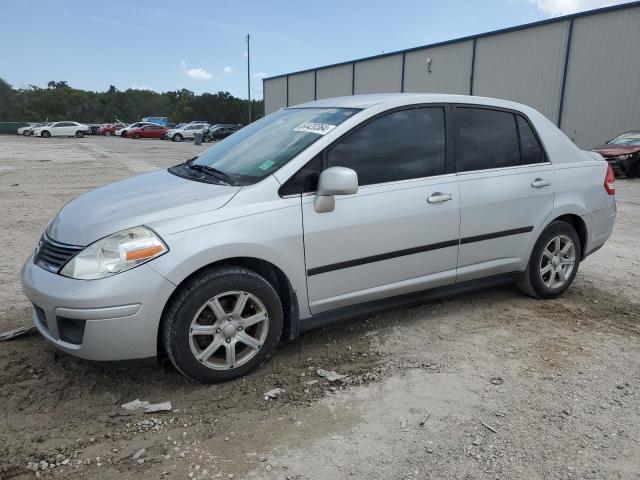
(305, 180)
(399, 146)
(484, 139)
(530, 148)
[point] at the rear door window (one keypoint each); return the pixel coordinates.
(530, 149)
(485, 138)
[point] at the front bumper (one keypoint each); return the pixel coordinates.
(112, 319)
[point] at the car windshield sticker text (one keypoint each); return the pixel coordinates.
(319, 128)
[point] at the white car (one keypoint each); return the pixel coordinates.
(25, 130)
(187, 131)
(62, 129)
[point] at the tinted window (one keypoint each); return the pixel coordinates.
(306, 179)
(399, 146)
(485, 139)
(530, 149)
(261, 148)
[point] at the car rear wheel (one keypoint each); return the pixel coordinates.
(177, 137)
(222, 325)
(136, 136)
(553, 263)
(45, 134)
(79, 134)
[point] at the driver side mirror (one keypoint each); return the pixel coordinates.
(334, 181)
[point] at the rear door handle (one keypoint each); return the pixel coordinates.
(438, 197)
(539, 183)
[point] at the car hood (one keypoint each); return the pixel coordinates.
(609, 150)
(140, 200)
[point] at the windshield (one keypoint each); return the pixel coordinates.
(261, 148)
(631, 138)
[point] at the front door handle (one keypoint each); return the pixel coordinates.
(438, 197)
(539, 183)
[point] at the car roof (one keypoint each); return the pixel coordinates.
(397, 99)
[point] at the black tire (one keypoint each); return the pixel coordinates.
(136, 136)
(107, 133)
(124, 134)
(177, 137)
(45, 134)
(531, 283)
(79, 134)
(176, 321)
(25, 133)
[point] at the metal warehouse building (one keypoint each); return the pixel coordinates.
(582, 71)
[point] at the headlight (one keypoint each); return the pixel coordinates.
(115, 254)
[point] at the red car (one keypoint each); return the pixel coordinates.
(147, 131)
(623, 154)
(110, 129)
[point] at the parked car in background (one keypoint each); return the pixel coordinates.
(62, 129)
(147, 131)
(218, 132)
(26, 130)
(94, 129)
(185, 132)
(110, 129)
(623, 154)
(122, 132)
(309, 216)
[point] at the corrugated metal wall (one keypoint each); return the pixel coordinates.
(335, 81)
(450, 69)
(602, 96)
(524, 64)
(379, 75)
(301, 88)
(275, 94)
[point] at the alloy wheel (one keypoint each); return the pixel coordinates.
(558, 261)
(228, 330)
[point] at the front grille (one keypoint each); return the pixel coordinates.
(52, 255)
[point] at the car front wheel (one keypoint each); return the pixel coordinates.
(222, 324)
(45, 134)
(107, 133)
(554, 262)
(79, 134)
(177, 137)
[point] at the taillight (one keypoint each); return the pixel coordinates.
(609, 180)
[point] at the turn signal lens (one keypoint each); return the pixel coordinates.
(144, 253)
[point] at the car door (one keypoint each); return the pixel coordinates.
(60, 129)
(399, 233)
(507, 189)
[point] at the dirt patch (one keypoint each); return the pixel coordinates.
(418, 400)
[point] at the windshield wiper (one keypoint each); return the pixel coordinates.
(211, 171)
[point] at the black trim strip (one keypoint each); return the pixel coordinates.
(412, 251)
(489, 236)
(380, 257)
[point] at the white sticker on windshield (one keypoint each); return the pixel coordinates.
(319, 128)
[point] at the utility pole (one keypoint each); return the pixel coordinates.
(248, 78)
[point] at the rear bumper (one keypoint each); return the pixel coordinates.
(600, 226)
(113, 319)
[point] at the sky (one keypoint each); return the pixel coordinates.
(200, 45)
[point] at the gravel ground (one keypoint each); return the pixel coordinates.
(487, 386)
